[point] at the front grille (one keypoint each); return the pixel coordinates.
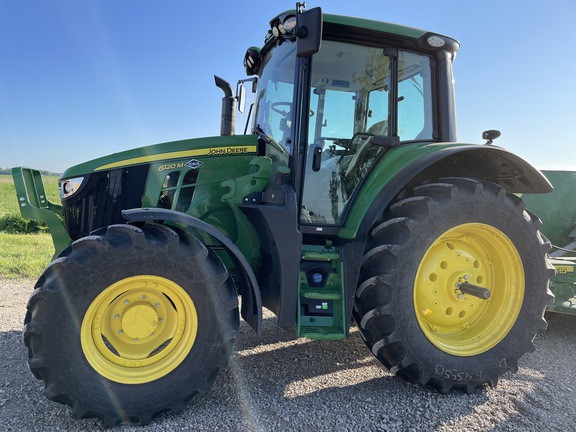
(101, 199)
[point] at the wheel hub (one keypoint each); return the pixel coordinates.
(139, 321)
(450, 263)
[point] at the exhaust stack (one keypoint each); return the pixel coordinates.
(228, 117)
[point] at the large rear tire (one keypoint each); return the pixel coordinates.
(411, 306)
(131, 322)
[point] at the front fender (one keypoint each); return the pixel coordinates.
(249, 289)
(412, 164)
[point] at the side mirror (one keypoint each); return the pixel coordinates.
(241, 92)
(309, 32)
(241, 97)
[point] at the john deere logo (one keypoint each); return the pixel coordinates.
(194, 164)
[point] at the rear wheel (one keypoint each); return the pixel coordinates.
(131, 322)
(431, 261)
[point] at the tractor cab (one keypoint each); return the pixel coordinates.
(325, 117)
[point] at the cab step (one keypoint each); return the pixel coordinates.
(321, 314)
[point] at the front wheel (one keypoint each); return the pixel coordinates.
(454, 284)
(131, 322)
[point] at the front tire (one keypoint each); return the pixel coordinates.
(131, 322)
(409, 307)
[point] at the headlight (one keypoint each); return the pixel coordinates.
(436, 41)
(285, 28)
(69, 187)
(289, 24)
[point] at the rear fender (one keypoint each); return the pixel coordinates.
(249, 289)
(407, 166)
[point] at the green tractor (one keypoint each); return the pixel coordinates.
(349, 201)
(558, 213)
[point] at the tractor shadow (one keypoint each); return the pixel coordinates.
(280, 382)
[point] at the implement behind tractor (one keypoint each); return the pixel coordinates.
(350, 200)
(558, 213)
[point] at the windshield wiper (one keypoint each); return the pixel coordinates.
(261, 134)
(268, 139)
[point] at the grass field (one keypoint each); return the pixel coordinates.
(8, 202)
(24, 255)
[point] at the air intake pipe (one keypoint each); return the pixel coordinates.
(228, 118)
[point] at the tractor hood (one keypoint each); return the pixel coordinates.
(169, 151)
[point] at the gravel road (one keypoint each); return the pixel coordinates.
(282, 383)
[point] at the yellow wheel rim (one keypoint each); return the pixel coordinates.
(458, 323)
(139, 329)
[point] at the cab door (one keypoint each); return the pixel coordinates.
(349, 106)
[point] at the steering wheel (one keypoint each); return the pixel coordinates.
(274, 106)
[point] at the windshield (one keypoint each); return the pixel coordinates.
(352, 101)
(274, 101)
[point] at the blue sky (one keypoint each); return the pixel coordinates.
(81, 79)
